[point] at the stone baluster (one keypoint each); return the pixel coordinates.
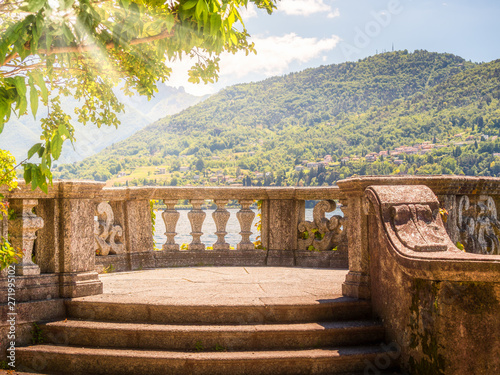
(245, 217)
(22, 233)
(170, 217)
(221, 217)
(196, 217)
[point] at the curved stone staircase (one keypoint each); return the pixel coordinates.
(334, 336)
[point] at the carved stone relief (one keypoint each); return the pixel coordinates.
(417, 228)
(478, 225)
(107, 234)
(321, 233)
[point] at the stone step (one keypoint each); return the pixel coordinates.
(213, 337)
(300, 310)
(79, 361)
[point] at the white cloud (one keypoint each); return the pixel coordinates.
(274, 56)
(303, 7)
(334, 13)
(249, 12)
(275, 53)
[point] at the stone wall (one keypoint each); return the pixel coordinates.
(440, 306)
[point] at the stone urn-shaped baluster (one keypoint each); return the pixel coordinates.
(196, 217)
(22, 231)
(245, 217)
(170, 217)
(221, 217)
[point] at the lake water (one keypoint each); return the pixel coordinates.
(233, 227)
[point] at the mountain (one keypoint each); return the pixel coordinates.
(20, 134)
(347, 111)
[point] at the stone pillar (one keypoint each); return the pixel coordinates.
(22, 231)
(196, 217)
(77, 276)
(357, 280)
(47, 252)
(245, 216)
(134, 217)
(280, 220)
(170, 217)
(221, 217)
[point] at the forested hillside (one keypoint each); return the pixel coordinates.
(352, 112)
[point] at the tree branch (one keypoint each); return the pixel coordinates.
(89, 47)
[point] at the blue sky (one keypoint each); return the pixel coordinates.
(309, 33)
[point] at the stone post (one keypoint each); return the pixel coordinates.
(170, 217)
(221, 217)
(357, 283)
(77, 276)
(196, 217)
(134, 217)
(281, 215)
(22, 231)
(48, 238)
(245, 217)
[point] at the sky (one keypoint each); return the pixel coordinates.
(303, 34)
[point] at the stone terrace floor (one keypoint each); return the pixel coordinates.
(221, 285)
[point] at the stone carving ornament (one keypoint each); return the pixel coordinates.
(418, 227)
(329, 230)
(478, 225)
(107, 235)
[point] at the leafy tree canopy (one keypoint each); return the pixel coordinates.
(85, 48)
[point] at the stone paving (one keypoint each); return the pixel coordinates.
(221, 285)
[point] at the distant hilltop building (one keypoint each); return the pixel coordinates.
(160, 171)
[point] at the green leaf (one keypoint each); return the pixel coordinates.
(33, 97)
(63, 130)
(41, 150)
(35, 5)
(37, 76)
(201, 7)
(56, 145)
(20, 84)
(190, 4)
(125, 3)
(33, 150)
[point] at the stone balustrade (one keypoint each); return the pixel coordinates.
(81, 228)
(282, 218)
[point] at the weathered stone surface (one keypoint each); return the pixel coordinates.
(221, 217)
(357, 280)
(170, 217)
(245, 217)
(329, 229)
(31, 288)
(77, 241)
(48, 245)
(138, 228)
(108, 236)
(476, 224)
(210, 258)
(27, 313)
(196, 217)
(448, 302)
(280, 220)
(22, 231)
